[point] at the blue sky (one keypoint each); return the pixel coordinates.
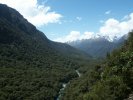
(67, 20)
(91, 13)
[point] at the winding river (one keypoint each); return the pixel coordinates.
(64, 86)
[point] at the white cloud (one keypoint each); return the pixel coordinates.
(110, 29)
(113, 27)
(75, 35)
(35, 13)
(125, 18)
(79, 18)
(108, 12)
(87, 35)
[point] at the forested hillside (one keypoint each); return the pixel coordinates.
(31, 66)
(112, 80)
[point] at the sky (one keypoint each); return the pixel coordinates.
(70, 20)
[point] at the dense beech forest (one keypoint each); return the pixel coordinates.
(112, 80)
(32, 67)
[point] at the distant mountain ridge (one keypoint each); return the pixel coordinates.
(98, 47)
(111, 80)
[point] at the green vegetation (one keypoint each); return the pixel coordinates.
(34, 68)
(112, 80)
(29, 70)
(31, 66)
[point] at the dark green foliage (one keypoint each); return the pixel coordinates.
(113, 80)
(31, 66)
(34, 68)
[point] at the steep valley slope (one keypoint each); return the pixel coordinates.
(31, 66)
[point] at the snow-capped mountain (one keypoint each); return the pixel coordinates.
(99, 46)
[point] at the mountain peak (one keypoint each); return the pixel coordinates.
(15, 28)
(14, 17)
(98, 47)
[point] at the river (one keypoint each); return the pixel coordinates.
(79, 74)
(64, 86)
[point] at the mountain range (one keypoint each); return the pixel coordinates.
(98, 47)
(32, 67)
(111, 80)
